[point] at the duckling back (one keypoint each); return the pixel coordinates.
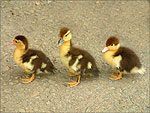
(84, 60)
(36, 61)
(130, 61)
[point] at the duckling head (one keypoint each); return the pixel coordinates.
(112, 44)
(21, 42)
(64, 35)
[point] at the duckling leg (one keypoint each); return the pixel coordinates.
(70, 73)
(114, 70)
(75, 83)
(28, 79)
(116, 77)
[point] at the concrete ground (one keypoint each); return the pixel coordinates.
(91, 24)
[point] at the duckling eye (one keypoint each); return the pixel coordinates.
(66, 35)
(16, 41)
(112, 44)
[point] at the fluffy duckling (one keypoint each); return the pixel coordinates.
(32, 61)
(77, 61)
(121, 58)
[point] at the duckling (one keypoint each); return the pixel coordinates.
(122, 59)
(32, 61)
(77, 61)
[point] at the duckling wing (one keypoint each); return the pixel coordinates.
(82, 61)
(37, 61)
(129, 59)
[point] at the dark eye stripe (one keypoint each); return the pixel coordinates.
(67, 34)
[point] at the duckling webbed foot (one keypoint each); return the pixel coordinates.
(28, 79)
(116, 77)
(75, 83)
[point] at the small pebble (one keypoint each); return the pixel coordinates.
(8, 68)
(36, 109)
(117, 9)
(120, 90)
(21, 110)
(49, 2)
(33, 22)
(140, 12)
(106, 18)
(32, 11)
(48, 102)
(11, 83)
(16, 81)
(97, 2)
(122, 2)
(113, 88)
(133, 82)
(35, 93)
(38, 77)
(37, 3)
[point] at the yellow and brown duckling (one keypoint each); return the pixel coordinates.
(77, 61)
(32, 61)
(122, 59)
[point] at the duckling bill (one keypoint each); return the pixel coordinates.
(77, 61)
(32, 61)
(121, 59)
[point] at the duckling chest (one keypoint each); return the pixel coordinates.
(17, 56)
(73, 67)
(111, 60)
(65, 60)
(27, 66)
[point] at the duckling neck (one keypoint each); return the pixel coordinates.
(65, 47)
(19, 52)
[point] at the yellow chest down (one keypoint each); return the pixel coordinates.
(111, 60)
(17, 56)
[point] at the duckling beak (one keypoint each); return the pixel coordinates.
(105, 49)
(60, 42)
(12, 43)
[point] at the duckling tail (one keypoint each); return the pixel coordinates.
(50, 69)
(141, 70)
(50, 66)
(95, 72)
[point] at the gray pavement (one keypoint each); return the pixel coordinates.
(91, 24)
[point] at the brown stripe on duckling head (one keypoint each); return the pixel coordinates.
(23, 39)
(112, 40)
(63, 31)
